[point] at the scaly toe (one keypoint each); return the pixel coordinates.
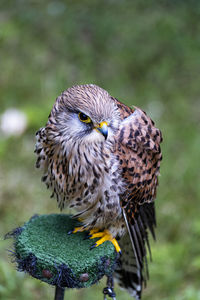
(96, 235)
(92, 231)
(104, 236)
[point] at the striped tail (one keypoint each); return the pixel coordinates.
(132, 273)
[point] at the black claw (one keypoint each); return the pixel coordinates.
(70, 232)
(93, 246)
(120, 253)
(86, 237)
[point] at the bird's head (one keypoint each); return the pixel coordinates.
(85, 113)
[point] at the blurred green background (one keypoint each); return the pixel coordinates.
(145, 53)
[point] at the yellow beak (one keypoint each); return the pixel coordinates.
(102, 128)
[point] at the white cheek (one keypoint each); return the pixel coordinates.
(76, 127)
(94, 136)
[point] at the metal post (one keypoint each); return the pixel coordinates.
(59, 293)
(109, 290)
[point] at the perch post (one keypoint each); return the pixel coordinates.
(44, 249)
(59, 293)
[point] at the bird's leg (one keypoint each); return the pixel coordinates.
(104, 236)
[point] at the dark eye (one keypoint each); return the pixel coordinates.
(84, 118)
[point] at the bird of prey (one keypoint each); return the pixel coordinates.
(102, 158)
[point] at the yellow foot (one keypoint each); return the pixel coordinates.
(82, 229)
(104, 236)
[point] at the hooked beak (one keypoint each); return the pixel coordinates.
(102, 128)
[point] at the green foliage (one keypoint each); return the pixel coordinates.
(146, 53)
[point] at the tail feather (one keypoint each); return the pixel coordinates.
(132, 273)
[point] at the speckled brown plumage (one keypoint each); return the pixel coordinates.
(110, 182)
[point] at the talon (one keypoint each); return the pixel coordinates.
(77, 229)
(93, 246)
(87, 237)
(104, 236)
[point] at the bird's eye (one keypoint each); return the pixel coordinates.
(84, 118)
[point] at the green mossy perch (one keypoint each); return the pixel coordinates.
(45, 250)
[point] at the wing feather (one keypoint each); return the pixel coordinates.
(138, 148)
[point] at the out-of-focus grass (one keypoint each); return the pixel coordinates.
(145, 53)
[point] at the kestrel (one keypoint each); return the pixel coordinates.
(102, 158)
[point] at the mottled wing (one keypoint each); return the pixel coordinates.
(139, 154)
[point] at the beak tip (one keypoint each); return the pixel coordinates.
(103, 129)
